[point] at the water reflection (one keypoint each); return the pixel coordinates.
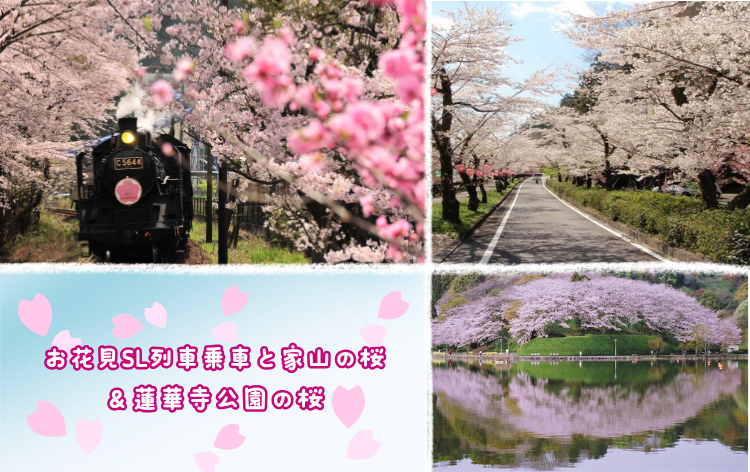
(544, 416)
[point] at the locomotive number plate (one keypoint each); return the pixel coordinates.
(126, 163)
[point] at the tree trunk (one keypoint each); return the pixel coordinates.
(450, 202)
(742, 200)
(707, 184)
(471, 189)
(607, 170)
(559, 177)
(484, 192)
(499, 185)
(588, 182)
(440, 129)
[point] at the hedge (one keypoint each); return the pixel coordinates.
(720, 235)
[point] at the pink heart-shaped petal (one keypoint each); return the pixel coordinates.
(88, 435)
(125, 326)
(373, 334)
(229, 437)
(36, 314)
(206, 461)
(348, 404)
(233, 300)
(392, 307)
(65, 342)
(225, 332)
(46, 420)
(362, 446)
(156, 315)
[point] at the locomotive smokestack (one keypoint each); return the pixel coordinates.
(128, 131)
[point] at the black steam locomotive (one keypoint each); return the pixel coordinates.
(135, 197)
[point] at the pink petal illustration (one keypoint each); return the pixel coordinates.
(225, 332)
(125, 326)
(206, 461)
(229, 437)
(348, 404)
(392, 307)
(88, 435)
(233, 300)
(373, 334)
(46, 420)
(36, 314)
(362, 446)
(65, 342)
(156, 315)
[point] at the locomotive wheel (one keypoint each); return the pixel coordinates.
(156, 255)
(108, 257)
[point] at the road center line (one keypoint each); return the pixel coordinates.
(491, 247)
(616, 233)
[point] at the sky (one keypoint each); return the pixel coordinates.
(539, 25)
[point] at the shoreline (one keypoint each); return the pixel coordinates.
(515, 358)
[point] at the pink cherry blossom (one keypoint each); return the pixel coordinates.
(315, 54)
(314, 161)
(268, 72)
(161, 93)
(185, 66)
(167, 149)
(398, 63)
(366, 203)
(240, 49)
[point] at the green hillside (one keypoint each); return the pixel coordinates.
(592, 345)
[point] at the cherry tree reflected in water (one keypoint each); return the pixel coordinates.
(545, 416)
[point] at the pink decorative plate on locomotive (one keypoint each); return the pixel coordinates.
(128, 191)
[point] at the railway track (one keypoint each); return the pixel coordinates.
(60, 211)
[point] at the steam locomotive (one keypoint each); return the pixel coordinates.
(134, 195)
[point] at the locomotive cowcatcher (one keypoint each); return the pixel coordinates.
(135, 196)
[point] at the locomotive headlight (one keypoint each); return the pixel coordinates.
(127, 137)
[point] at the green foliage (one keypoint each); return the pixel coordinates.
(440, 284)
(201, 189)
(593, 345)
(656, 344)
(463, 282)
(681, 222)
(453, 303)
(710, 300)
(576, 277)
(741, 293)
(528, 278)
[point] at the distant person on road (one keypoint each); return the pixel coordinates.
(450, 352)
(580, 353)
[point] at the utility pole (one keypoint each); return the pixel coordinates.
(223, 223)
(210, 194)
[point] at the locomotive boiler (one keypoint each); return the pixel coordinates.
(135, 196)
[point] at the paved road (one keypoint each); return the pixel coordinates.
(542, 229)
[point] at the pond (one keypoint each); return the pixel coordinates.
(660, 415)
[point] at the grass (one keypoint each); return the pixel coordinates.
(592, 345)
(468, 217)
(54, 240)
(250, 249)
